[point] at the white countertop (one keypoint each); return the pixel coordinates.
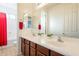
(69, 47)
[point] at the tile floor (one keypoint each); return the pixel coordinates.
(9, 50)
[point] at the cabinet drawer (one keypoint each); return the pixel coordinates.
(32, 44)
(40, 54)
(26, 42)
(32, 51)
(53, 53)
(43, 50)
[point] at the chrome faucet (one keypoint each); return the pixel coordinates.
(59, 39)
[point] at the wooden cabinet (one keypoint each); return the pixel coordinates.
(32, 51)
(53, 53)
(29, 48)
(43, 50)
(26, 42)
(22, 46)
(40, 54)
(33, 45)
(26, 50)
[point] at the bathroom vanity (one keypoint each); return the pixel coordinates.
(29, 48)
(41, 45)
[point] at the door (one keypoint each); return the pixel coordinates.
(3, 29)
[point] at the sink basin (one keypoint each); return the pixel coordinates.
(55, 39)
(49, 40)
(55, 43)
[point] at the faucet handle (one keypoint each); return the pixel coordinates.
(63, 34)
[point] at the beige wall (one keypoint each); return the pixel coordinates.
(31, 7)
(24, 8)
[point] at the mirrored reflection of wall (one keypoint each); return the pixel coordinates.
(64, 18)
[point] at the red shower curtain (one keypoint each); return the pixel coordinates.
(3, 29)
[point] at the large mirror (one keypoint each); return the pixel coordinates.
(63, 19)
(57, 19)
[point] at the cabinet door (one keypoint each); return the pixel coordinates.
(32, 44)
(22, 46)
(43, 50)
(26, 53)
(26, 41)
(53, 53)
(40, 54)
(32, 51)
